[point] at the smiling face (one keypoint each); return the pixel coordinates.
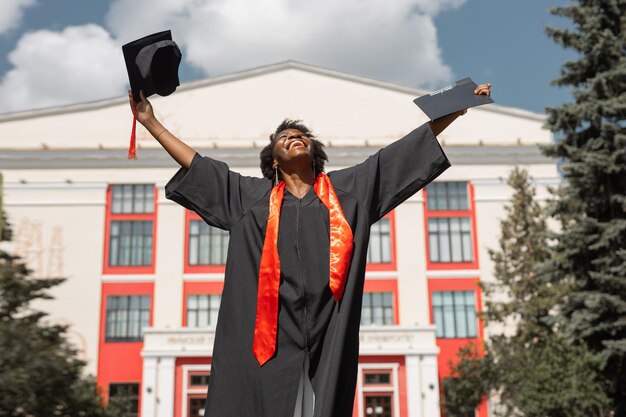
(292, 146)
(306, 152)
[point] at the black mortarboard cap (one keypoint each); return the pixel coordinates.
(451, 99)
(152, 65)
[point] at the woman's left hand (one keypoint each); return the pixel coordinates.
(483, 89)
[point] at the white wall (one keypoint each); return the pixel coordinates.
(70, 203)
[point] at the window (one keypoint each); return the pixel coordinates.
(448, 196)
(379, 249)
(378, 405)
(202, 310)
(199, 380)
(132, 198)
(196, 406)
(376, 378)
(126, 316)
(379, 387)
(131, 243)
(454, 313)
(197, 385)
(125, 396)
(377, 309)
(131, 217)
(207, 245)
(450, 224)
(450, 239)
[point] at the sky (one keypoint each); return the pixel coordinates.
(58, 52)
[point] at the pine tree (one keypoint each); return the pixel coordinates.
(40, 374)
(523, 245)
(531, 367)
(590, 252)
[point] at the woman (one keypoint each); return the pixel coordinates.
(286, 341)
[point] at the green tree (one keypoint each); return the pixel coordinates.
(2, 219)
(517, 295)
(590, 251)
(533, 370)
(472, 379)
(40, 374)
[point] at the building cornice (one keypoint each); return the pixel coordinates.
(249, 157)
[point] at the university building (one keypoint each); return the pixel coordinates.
(144, 275)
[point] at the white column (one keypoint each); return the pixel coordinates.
(148, 389)
(168, 281)
(430, 385)
(413, 386)
(411, 259)
(165, 405)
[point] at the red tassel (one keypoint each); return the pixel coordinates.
(132, 149)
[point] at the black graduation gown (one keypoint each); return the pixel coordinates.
(308, 318)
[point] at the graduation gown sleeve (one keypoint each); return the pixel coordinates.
(393, 174)
(220, 196)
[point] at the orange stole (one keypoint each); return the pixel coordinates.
(341, 243)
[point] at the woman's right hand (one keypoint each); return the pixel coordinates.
(145, 113)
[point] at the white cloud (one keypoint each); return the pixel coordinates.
(11, 12)
(80, 63)
(390, 40)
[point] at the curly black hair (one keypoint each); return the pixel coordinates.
(267, 154)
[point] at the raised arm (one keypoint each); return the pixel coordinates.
(399, 170)
(438, 125)
(180, 151)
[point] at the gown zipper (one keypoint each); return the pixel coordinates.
(306, 329)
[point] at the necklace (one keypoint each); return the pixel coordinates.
(301, 196)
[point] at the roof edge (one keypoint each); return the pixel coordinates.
(253, 72)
